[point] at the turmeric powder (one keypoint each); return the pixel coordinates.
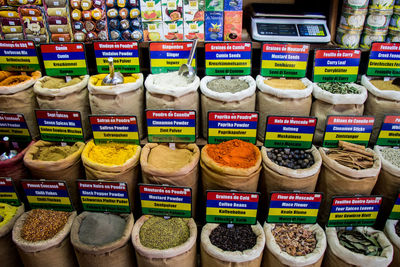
(14, 80)
(7, 212)
(4, 74)
(111, 153)
(97, 80)
(234, 153)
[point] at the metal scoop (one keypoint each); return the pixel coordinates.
(114, 77)
(187, 70)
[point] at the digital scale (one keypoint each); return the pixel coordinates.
(281, 23)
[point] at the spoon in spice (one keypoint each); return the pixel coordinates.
(113, 78)
(187, 70)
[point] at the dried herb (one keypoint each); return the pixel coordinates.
(360, 243)
(339, 88)
(237, 238)
(352, 156)
(294, 239)
(397, 228)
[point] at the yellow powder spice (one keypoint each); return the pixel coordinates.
(54, 153)
(97, 80)
(7, 212)
(288, 84)
(112, 153)
(163, 157)
(385, 85)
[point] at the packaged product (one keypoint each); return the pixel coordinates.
(193, 10)
(378, 20)
(153, 31)
(173, 30)
(241, 245)
(233, 5)
(32, 23)
(356, 5)
(193, 30)
(395, 22)
(151, 10)
(351, 19)
(216, 5)
(214, 25)
(233, 25)
(172, 10)
(381, 4)
(58, 19)
(392, 231)
(396, 7)
(367, 38)
(348, 38)
(392, 36)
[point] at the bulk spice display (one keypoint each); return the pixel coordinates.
(237, 238)
(54, 153)
(291, 158)
(386, 85)
(223, 85)
(392, 155)
(339, 88)
(351, 155)
(362, 243)
(7, 212)
(285, 83)
(112, 153)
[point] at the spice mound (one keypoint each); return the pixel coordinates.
(237, 238)
(291, 158)
(285, 83)
(4, 75)
(359, 242)
(352, 156)
(170, 80)
(234, 153)
(100, 229)
(112, 153)
(339, 88)
(397, 228)
(14, 80)
(294, 239)
(386, 85)
(7, 212)
(54, 153)
(225, 86)
(392, 155)
(57, 83)
(97, 80)
(43, 224)
(163, 157)
(159, 233)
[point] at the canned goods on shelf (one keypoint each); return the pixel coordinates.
(356, 4)
(352, 20)
(381, 4)
(348, 38)
(378, 20)
(367, 38)
(392, 36)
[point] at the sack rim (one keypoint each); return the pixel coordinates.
(390, 232)
(341, 99)
(7, 90)
(40, 91)
(290, 93)
(386, 94)
(228, 96)
(7, 228)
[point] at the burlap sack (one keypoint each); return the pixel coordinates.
(70, 98)
(327, 103)
(126, 173)
(120, 99)
(391, 234)
(217, 177)
(273, 101)
(182, 255)
(8, 251)
(244, 100)
(69, 169)
(214, 256)
(186, 176)
(20, 98)
(116, 254)
(337, 180)
(56, 251)
(274, 256)
(337, 255)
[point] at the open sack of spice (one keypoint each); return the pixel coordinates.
(282, 96)
(362, 246)
(220, 94)
(294, 245)
(165, 242)
(42, 238)
(103, 239)
(334, 98)
(392, 231)
(240, 245)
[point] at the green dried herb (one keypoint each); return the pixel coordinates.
(339, 88)
(360, 243)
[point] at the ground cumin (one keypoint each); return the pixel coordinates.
(234, 153)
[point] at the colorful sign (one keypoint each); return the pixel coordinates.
(7, 192)
(395, 214)
(166, 200)
(284, 60)
(228, 58)
(124, 53)
(294, 207)
(339, 65)
(60, 126)
(384, 60)
(104, 196)
(18, 56)
(169, 56)
(64, 59)
(173, 126)
(47, 195)
(232, 207)
(390, 131)
(353, 129)
(117, 129)
(225, 126)
(290, 131)
(354, 211)
(14, 127)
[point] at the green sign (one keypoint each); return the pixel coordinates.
(8, 194)
(389, 134)
(14, 127)
(124, 53)
(384, 60)
(18, 56)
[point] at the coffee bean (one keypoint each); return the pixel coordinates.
(237, 238)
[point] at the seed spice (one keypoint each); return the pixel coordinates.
(223, 86)
(392, 155)
(291, 158)
(360, 243)
(339, 88)
(352, 156)
(294, 239)
(237, 238)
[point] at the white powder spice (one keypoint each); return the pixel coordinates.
(170, 80)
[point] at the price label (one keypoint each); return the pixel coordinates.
(64, 59)
(290, 131)
(18, 56)
(228, 58)
(395, 214)
(354, 211)
(8, 193)
(47, 195)
(225, 126)
(173, 126)
(389, 134)
(169, 56)
(284, 60)
(294, 207)
(166, 200)
(117, 129)
(353, 129)
(104, 196)
(14, 127)
(336, 65)
(384, 60)
(125, 55)
(60, 126)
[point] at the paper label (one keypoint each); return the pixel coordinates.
(18, 56)
(395, 214)
(117, 129)
(169, 56)
(389, 134)
(125, 55)
(8, 193)
(14, 127)
(384, 60)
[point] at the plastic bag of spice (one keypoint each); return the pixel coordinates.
(16, 96)
(286, 97)
(294, 248)
(121, 99)
(336, 99)
(392, 231)
(212, 255)
(219, 94)
(56, 93)
(181, 255)
(99, 253)
(338, 255)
